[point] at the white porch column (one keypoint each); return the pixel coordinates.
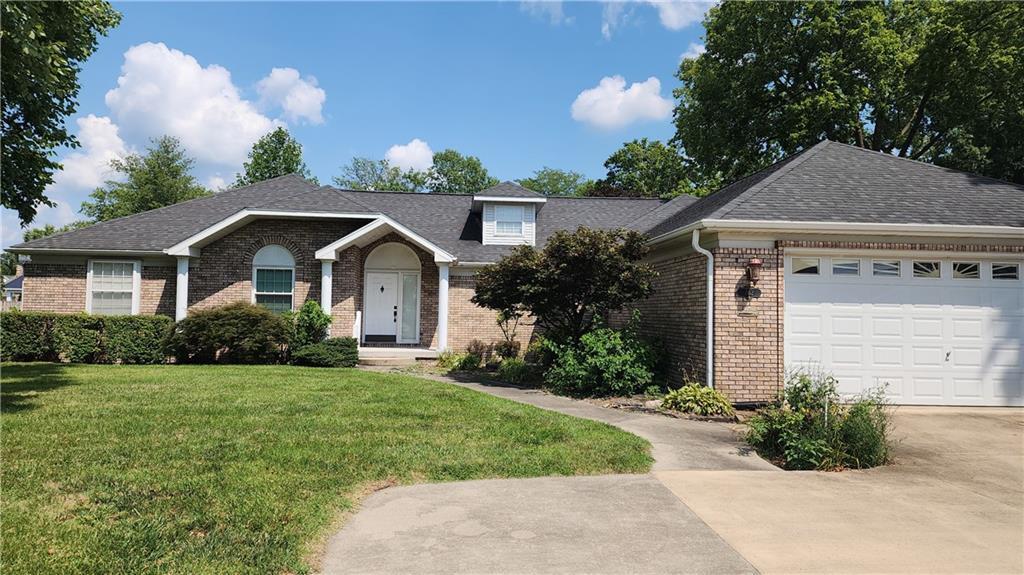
(181, 295)
(326, 281)
(442, 306)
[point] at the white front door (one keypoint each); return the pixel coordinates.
(935, 330)
(381, 313)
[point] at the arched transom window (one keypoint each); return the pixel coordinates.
(273, 278)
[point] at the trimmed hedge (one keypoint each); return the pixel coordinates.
(234, 333)
(331, 352)
(81, 338)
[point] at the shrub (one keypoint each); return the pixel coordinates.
(507, 349)
(44, 336)
(515, 371)
(234, 333)
(135, 338)
(697, 399)
(812, 429)
(332, 352)
(76, 338)
(453, 361)
(654, 391)
(480, 349)
(311, 325)
(605, 362)
(25, 336)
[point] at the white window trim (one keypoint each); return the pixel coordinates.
(832, 266)
(993, 277)
(256, 293)
(942, 273)
(795, 272)
(136, 282)
(521, 221)
(952, 270)
(899, 267)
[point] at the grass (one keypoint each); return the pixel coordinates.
(242, 469)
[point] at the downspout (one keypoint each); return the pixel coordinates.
(709, 337)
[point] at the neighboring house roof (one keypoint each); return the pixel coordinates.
(833, 182)
(509, 190)
(14, 284)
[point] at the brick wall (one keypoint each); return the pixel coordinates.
(748, 334)
(54, 287)
(223, 273)
(468, 321)
(159, 287)
(676, 314)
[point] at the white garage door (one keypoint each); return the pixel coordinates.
(935, 331)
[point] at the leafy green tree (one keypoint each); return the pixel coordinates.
(42, 46)
(160, 177)
(52, 230)
(275, 154)
(578, 276)
(8, 264)
(365, 174)
(934, 81)
(454, 173)
(644, 169)
(553, 182)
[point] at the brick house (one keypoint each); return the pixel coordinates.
(879, 269)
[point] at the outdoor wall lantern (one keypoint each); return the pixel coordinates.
(750, 291)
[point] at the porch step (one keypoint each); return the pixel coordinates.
(394, 356)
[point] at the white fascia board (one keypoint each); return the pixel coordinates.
(509, 200)
(329, 252)
(83, 252)
(187, 247)
(812, 227)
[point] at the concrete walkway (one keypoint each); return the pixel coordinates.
(603, 524)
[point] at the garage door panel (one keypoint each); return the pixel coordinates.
(928, 341)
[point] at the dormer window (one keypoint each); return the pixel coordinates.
(508, 221)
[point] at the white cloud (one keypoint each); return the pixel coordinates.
(693, 51)
(216, 182)
(165, 91)
(678, 14)
(89, 166)
(673, 14)
(416, 155)
(546, 10)
(298, 97)
(611, 105)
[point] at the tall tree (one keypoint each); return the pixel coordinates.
(42, 46)
(52, 230)
(933, 81)
(553, 182)
(454, 173)
(160, 177)
(645, 169)
(369, 175)
(275, 154)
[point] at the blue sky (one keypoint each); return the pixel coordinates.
(519, 84)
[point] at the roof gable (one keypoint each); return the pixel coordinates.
(508, 190)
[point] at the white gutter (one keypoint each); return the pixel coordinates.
(710, 336)
(814, 227)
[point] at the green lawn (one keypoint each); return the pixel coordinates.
(231, 469)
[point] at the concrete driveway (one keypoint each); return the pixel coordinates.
(953, 502)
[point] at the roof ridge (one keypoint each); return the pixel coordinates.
(792, 162)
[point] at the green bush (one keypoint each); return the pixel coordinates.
(44, 336)
(135, 338)
(515, 371)
(25, 336)
(332, 352)
(697, 399)
(507, 349)
(234, 333)
(311, 325)
(453, 361)
(605, 362)
(813, 429)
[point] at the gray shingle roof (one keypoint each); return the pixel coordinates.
(833, 182)
(509, 190)
(446, 220)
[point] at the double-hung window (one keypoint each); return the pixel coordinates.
(113, 287)
(508, 221)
